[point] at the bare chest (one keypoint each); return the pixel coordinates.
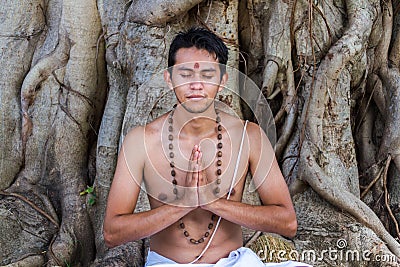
(218, 164)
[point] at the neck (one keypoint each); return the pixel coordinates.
(194, 124)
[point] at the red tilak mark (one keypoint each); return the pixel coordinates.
(196, 65)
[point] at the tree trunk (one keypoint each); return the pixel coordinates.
(74, 81)
(60, 89)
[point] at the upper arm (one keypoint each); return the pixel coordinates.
(267, 176)
(125, 187)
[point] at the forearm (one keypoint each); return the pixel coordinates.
(124, 228)
(269, 218)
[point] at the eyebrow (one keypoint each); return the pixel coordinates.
(190, 69)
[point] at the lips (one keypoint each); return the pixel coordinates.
(195, 97)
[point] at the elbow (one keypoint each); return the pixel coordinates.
(109, 239)
(291, 229)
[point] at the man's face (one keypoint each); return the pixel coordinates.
(196, 79)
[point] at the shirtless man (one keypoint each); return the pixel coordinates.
(187, 159)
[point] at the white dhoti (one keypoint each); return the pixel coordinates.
(242, 257)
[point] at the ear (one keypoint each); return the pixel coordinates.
(224, 79)
(167, 79)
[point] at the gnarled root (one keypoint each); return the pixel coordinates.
(130, 254)
(40, 72)
(311, 172)
(74, 242)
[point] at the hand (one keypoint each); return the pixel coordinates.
(198, 192)
(190, 196)
(205, 188)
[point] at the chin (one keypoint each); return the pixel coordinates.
(196, 106)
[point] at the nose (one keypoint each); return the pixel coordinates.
(196, 85)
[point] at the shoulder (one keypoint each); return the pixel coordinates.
(134, 134)
(253, 128)
(155, 127)
(254, 136)
(133, 144)
(142, 139)
(233, 123)
(146, 131)
(254, 132)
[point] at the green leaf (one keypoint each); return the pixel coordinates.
(88, 190)
(92, 200)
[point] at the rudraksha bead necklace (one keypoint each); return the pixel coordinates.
(201, 239)
(216, 190)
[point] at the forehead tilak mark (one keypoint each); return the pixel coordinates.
(196, 65)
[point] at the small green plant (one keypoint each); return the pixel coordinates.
(67, 263)
(92, 196)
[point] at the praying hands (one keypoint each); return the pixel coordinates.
(198, 188)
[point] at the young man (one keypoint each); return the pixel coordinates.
(193, 162)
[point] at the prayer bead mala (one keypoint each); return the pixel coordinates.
(218, 173)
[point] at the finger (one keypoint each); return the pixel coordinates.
(192, 160)
(201, 177)
(193, 175)
(204, 177)
(196, 156)
(190, 175)
(204, 173)
(195, 181)
(194, 149)
(201, 169)
(200, 153)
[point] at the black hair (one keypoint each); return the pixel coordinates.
(200, 38)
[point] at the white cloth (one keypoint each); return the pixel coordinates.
(242, 257)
